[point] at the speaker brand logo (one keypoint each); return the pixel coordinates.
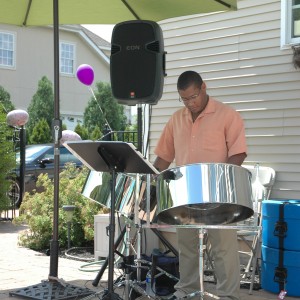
(133, 47)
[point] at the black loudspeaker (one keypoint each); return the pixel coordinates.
(137, 63)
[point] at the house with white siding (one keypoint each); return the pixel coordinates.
(246, 59)
(26, 55)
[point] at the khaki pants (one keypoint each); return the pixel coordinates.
(225, 253)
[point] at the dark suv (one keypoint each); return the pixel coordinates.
(38, 159)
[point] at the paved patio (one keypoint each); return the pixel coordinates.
(21, 267)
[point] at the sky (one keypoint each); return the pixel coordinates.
(104, 31)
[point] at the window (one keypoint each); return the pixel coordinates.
(67, 57)
(7, 50)
(290, 22)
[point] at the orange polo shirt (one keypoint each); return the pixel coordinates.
(217, 134)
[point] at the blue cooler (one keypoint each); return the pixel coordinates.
(289, 226)
(280, 266)
(271, 275)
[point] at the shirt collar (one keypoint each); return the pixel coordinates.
(210, 107)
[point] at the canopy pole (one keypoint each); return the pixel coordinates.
(56, 132)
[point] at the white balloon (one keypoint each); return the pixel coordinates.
(69, 135)
(17, 117)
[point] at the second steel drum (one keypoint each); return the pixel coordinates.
(98, 188)
(204, 194)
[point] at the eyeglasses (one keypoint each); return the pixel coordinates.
(186, 100)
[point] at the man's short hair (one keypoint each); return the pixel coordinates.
(188, 78)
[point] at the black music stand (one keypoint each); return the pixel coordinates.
(113, 157)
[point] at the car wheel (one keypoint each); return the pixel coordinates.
(14, 194)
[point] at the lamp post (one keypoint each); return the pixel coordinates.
(69, 209)
(18, 118)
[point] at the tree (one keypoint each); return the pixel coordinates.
(41, 106)
(41, 133)
(7, 162)
(96, 134)
(6, 104)
(82, 131)
(106, 107)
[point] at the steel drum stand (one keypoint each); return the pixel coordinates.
(202, 248)
(113, 157)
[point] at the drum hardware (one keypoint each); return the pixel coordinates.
(225, 196)
(202, 247)
(136, 285)
(112, 157)
(140, 219)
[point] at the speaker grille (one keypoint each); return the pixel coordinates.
(153, 46)
(115, 49)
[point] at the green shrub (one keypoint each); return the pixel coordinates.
(37, 212)
(7, 161)
(41, 133)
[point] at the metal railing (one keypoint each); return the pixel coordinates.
(123, 136)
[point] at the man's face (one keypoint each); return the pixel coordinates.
(194, 98)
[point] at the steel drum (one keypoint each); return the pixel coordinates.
(204, 194)
(97, 187)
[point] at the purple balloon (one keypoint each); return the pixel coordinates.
(85, 74)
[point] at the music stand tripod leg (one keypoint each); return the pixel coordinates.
(105, 264)
(109, 293)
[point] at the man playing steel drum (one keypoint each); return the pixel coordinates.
(203, 131)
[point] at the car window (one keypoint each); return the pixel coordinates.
(49, 154)
(64, 156)
(32, 153)
(67, 156)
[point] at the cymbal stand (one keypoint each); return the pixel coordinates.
(136, 285)
(137, 223)
(127, 260)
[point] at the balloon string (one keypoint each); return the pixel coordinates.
(100, 107)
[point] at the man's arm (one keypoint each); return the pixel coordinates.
(161, 164)
(237, 159)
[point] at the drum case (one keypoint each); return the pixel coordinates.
(281, 246)
(272, 275)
